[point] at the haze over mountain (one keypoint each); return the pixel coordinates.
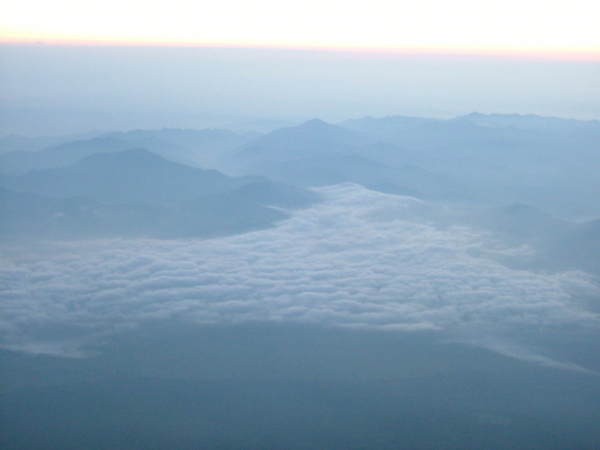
(129, 176)
(195, 147)
(377, 283)
(300, 225)
(516, 141)
(136, 193)
(15, 143)
(549, 163)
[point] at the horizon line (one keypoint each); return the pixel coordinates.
(590, 55)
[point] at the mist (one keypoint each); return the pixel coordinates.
(48, 89)
(244, 248)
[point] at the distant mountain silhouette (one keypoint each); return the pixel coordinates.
(129, 176)
(137, 193)
(512, 140)
(193, 147)
(312, 138)
(338, 168)
(14, 142)
(197, 147)
(547, 162)
(20, 162)
(531, 122)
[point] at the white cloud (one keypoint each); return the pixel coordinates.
(361, 259)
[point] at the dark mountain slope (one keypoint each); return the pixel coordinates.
(196, 147)
(580, 247)
(516, 141)
(135, 193)
(130, 176)
(338, 168)
(29, 216)
(314, 138)
(522, 223)
(20, 162)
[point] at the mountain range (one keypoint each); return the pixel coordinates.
(137, 193)
(487, 162)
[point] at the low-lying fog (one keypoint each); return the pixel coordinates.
(375, 283)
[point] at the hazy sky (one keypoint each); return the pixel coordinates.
(560, 26)
(48, 89)
(179, 64)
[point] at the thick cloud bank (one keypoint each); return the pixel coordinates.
(360, 259)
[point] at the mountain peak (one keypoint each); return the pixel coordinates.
(474, 115)
(315, 124)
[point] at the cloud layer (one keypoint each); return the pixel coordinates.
(360, 259)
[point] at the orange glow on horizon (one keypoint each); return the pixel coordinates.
(567, 54)
(499, 28)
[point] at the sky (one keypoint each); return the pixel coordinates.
(554, 28)
(73, 66)
(360, 264)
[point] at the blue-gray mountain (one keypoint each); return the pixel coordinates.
(380, 283)
(549, 163)
(135, 193)
(19, 155)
